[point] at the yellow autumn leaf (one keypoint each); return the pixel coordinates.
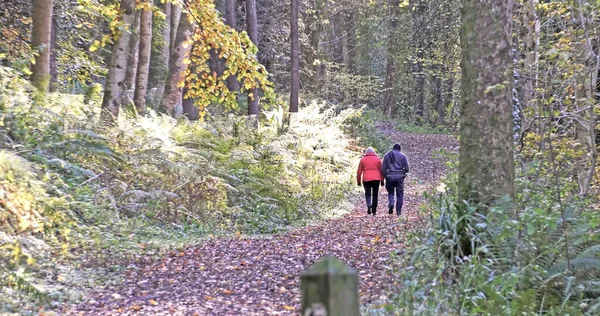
(289, 308)
(153, 302)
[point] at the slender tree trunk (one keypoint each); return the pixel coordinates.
(295, 57)
(486, 167)
(439, 99)
(419, 32)
(172, 98)
(232, 82)
(40, 43)
(390, 68)
(175, 18)
(532, 43)
(145, 48)
(252, 29)
(53, 64)
(111, 103)
(351, 53)
(132, 57)
(159, 63)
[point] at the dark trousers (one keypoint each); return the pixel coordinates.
(371, 193)
(394, 184)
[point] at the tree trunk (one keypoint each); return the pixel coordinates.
(53, 65)
(486, 166)
(390, 68)
(159, 63)
(113, 90)
(175, 22)
(145, 48)
(351, 53)
(295, 57)
(532, 43)
(440, 105)
(172, 98)
(419, 35)
(189, 108)
(132, 57)
(40, 43)
(252, 29)
(232, 82)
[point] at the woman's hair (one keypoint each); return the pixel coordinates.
(369, 150)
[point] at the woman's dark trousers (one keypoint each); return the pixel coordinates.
(371, 194)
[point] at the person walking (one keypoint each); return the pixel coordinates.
(369, 175)
(394, 169)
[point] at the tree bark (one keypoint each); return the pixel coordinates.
(252, 29)
(189, 108)
(419, 35)
(486, 165)
(172, 98)
(532, 43)
(145, 48)
(40, 43)
(232, 82)
(390, 68)
(159, 62)
(53, 65)
(295, 57)
(132, 56)
(175, 20)
(113, 90)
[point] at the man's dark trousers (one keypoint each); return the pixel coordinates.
(394, 184)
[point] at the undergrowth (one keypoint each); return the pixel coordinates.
(538, 256)
(74, 195)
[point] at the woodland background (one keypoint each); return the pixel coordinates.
(128, 123)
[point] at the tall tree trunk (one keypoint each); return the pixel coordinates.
(232, 82)
(419, 32)
(113, 90)
(175, 22)
(351, 52)
(132, 57)
(172, 98)
(53, 65)
(40, 43)
(486, 166)
(390, 68)
(252, 29)
(159, 62)
(295, 57)
(440, 105)
(532, 43)
(145, 48)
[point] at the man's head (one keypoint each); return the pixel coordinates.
(370, 151)
(397, 147)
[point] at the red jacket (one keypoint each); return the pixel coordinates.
(369, 168)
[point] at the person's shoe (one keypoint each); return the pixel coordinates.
(398, 213)
(373, 211)
(391, 209)
(368, 210)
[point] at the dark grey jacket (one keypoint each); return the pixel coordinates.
(394, 163)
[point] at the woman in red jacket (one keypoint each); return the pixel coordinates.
(369, 169)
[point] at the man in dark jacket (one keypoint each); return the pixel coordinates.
(394, 170)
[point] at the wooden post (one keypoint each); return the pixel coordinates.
(329, 288)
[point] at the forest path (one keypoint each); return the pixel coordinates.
(245, 276)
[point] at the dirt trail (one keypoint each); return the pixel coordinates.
(241, 276)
